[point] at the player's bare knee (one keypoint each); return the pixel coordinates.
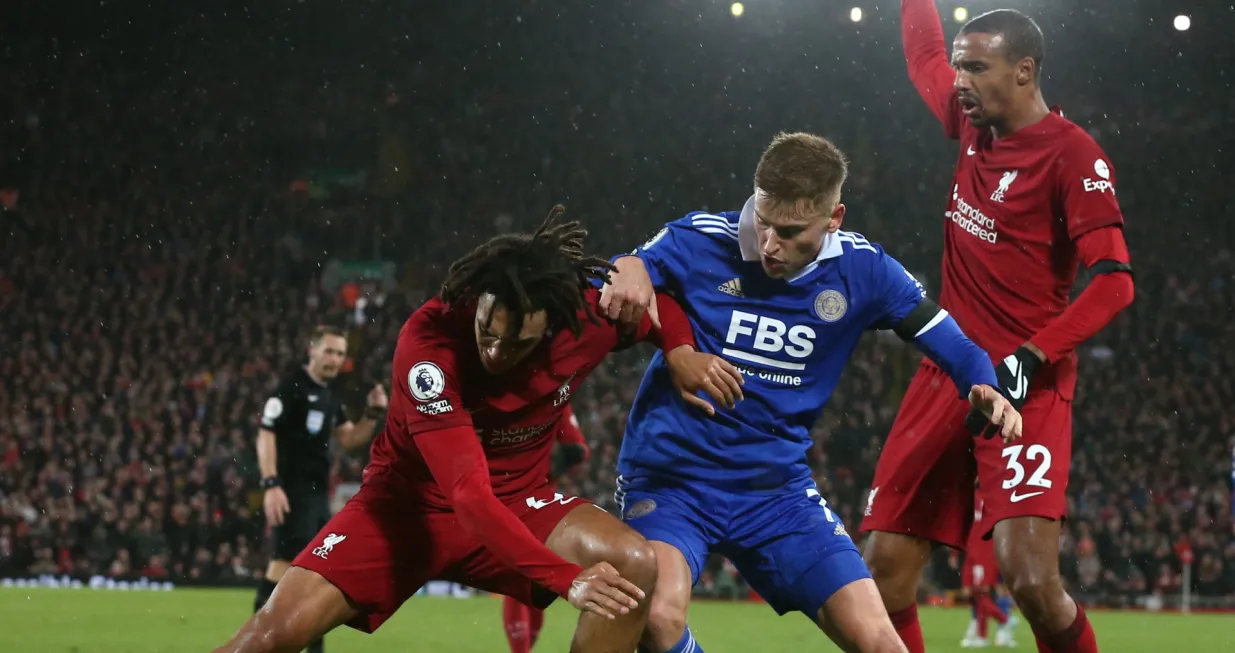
(894, 573)
(636, 561)
(666, 622)
(269, 633)
(1036, 592)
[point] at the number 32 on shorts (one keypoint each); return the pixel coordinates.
(1036, 456)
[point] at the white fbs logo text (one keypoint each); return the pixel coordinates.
(768, 335)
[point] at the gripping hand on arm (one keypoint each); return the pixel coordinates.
(629, 294)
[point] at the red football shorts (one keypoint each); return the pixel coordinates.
(924, 482)
(379, 552)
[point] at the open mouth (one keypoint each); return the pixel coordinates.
(969, 106)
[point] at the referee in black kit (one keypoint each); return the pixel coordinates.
(293, 451)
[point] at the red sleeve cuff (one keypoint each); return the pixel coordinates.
(675, 329)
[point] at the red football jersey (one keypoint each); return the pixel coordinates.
(1015, 209)
(439, 383)
(570, 433)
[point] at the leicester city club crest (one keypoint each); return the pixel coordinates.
(830, 305)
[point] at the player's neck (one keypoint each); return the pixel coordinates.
(1031, 114)
(317, 378)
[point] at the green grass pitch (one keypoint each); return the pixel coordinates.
(183, 621)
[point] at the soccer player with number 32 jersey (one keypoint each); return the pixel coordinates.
(1032, 197)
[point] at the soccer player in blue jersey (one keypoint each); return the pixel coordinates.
(781, 292)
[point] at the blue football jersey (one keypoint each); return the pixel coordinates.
(791, 339)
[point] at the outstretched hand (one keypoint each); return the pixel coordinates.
(601, 590)
(693, 371)
(998, 410)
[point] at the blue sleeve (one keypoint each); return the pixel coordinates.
(940, 337)
(898, 291)
(667, 255)
(943, 342)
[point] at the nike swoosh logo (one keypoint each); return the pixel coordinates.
(971, 151)
(1017, 498)
(1014, 366)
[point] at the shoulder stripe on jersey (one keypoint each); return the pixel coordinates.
(712, 221)
(855, 240)
(719, 232)
(713, 216)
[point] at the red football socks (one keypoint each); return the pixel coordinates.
(536, 619)
(1077, 638)
(517, 617)
(987, 606)
(907, 626)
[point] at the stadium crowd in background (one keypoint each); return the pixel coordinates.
(163, 244)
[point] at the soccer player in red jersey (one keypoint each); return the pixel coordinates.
(457, 487)
(1032, 197)
(980, 581)
(521, 621)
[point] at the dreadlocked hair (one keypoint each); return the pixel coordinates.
(545, 270)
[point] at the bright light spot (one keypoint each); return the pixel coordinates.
(961, 14)
(1182, 23)
(737, 9)
(855, 14)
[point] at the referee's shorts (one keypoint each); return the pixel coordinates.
(308, 514)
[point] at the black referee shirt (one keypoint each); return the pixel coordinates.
(303, 415)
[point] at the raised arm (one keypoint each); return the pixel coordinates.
(930, 70)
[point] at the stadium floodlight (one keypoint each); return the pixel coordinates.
(1182, 23)
(737, 9)
(855, 14)
(960, 14)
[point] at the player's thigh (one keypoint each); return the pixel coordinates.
(855, 620)
(378, 553)
(576, 529)
(586, 534)
(303, 607)
(1029, 478)
(923, 483)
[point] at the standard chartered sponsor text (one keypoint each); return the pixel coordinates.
(969, 218)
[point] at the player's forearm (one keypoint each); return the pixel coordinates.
(267, 453)
(966, 363)
(1105, 252)
(458, 464)
(359, 434)
(1101, 301)
(640, 262)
